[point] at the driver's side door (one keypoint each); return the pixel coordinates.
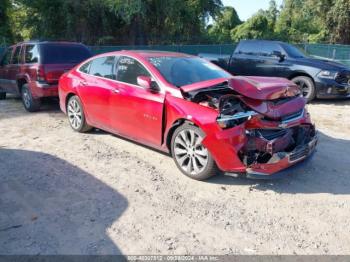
(135, 111)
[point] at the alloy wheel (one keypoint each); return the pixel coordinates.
(189, 152)
(74, 114)
(26, 98)
(304, 87)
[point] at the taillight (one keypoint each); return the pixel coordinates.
(41, 74)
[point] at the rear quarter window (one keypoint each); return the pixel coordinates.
(31, 54)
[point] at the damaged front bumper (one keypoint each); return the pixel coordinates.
(280, 163)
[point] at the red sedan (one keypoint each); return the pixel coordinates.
(207, 119)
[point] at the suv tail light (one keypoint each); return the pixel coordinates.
(41, 74)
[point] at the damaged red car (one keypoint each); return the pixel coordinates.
(207, 119)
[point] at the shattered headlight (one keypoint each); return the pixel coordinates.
(228, 121)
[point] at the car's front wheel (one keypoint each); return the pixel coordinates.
(190, 155)
(30, 103)
(306, 86)
(76, 115)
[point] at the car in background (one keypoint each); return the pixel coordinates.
(207, 119)
(316, 78)
(32, 69)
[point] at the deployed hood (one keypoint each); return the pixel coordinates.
(274, 98)
(263, 88)
(259, 88)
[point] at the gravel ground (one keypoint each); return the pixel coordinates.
(67, 193)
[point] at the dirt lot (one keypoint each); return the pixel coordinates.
(67, 193)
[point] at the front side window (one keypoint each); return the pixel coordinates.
(267, 49)
(129, 69)
(32, 54)
(181, 71)
(17, 56)
(7, 57)
(102, 67)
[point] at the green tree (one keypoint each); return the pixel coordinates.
(338, 22)
(5, 29)
(256, 27)
(224, 23)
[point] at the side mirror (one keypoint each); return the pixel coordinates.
(147, 83)
(279, 55)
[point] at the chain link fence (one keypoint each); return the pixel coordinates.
(339, 53)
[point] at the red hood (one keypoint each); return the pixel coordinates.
(263, 88)
(260, 88)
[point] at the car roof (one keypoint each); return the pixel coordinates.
(148, 53)
(263, 40)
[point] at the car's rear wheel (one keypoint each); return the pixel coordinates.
(190, 155)
(2, 95)
(30, 103)
(76, 115)
(307, 87)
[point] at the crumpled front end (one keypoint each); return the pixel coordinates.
(258, 133)
(269, 151)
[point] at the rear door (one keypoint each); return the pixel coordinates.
(5, 82)
(135, 111)
(14, 68)
(246, 59)
(95, 89)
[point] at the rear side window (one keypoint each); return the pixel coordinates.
(85, 67)
(63, 53)
(32, 54)
(17, 56)
(103, 67)
(129, 69)
(249, 48)
(7, 57)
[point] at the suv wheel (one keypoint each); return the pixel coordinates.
(190, 156)
(307, 87)
(2, 95)
(76, 115)
(30, 103)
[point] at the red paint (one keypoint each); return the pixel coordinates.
(139, 113)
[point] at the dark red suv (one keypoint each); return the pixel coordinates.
(32, 69)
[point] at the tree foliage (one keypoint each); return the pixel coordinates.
(103, 22)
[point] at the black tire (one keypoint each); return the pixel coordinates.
(30, 103)
(76, 115)
(204, 171)
(307, 87)
(2, 95)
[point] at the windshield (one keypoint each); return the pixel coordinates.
(181, 71)
(292, 51)
(63, 54)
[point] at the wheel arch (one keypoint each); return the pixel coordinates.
(69, 95)
(176, 124)
(20, 83)
(301, 73)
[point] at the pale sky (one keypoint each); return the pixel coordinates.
(246, 8)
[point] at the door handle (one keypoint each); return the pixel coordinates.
(116, 91)
(83, 83)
